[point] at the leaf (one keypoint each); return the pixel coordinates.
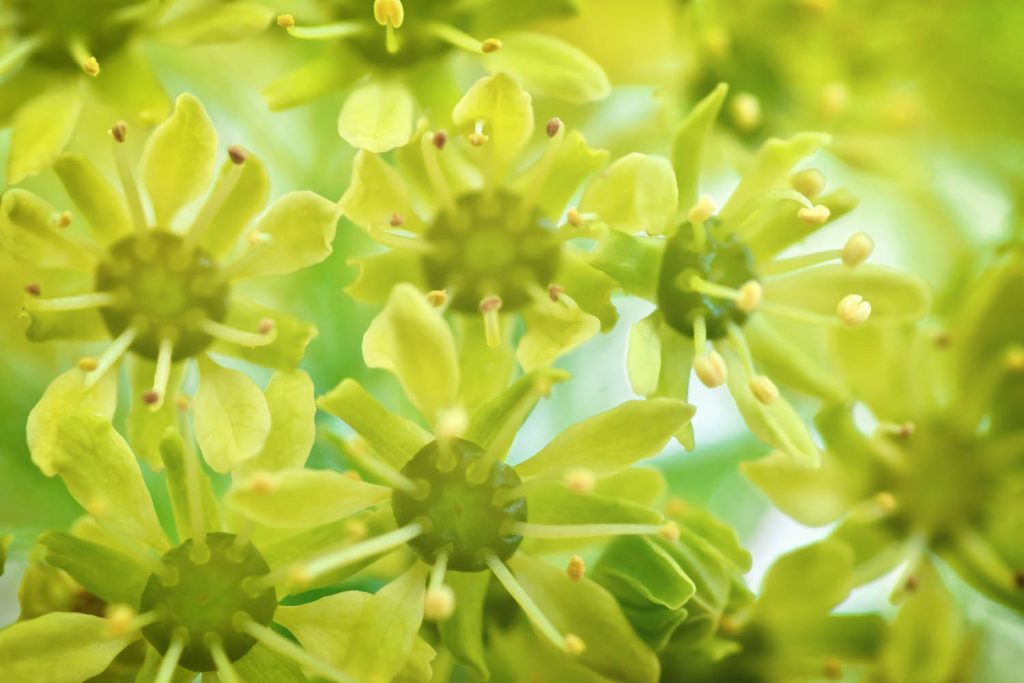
(637, 193)
(689, 143)
(634, 262)
(302, 498)
(549, 67)
(42, 128)
(105, 572)
(60, 647)
(179, 158)
(377, 116)
(612, 440)
(101, 205)
(300, 227)
(292, 424)
(506, 108)
(232, 419)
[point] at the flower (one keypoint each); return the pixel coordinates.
(161, 289)
(452, 500)
(942, 473)
(718, 285)
(487, 242)
(407, 70)
(58, 55)
(196, 599)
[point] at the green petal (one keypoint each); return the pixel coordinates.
(553, 328)
(894, 296)
(101, 205)
(689, 143)
(5, 544)
(263, 665)
(376, 193)
(146, 427)
(675, 369)
(227, 23)
(637, 193)
(290, 398)
(410, 339)
(643, 355)
(557, 176)
(506, 108)
(105, 572)
(101, 473)
(587, 610)
(463, 632)
(367, 637)
(179, 159)
(394, 439)
(460, 174)
(807, 583)
(787, 363)
(131, 86)
(379, 273)
(554, 503)
(42, 127)
(289, 345)
(60, 647)
(176, 471)
(589, 287)
(495, 424)
(65, 396)
(612, 440)
(878, 541)
(29, 234)
(418, 668)
(83, 325)
(549, 67)
(778, 225)
(300, 227)
(697, 521)
(232, 419)
(239, 208)
(978, 562)
(377, 116)
(485, 370)
(769, 170)
(639, 484)
(633, 262)
(871, 359)
(303, 498)
(330, 71)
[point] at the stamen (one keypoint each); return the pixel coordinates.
(477, 138)
(266, 335)
(558, 531)
(281, 645)
(155, 396)
(63, 219)
(33, 289)
(357, 450)
(390, 14)
(832, 669)
(123, 620)
(21, 50)
(124, 170)
(577, 568)
(711, 369)
(764, 390)
(87, 364)
(1014, 359)
(285, 20)
(334, 31)
(886, 501)
(225, 671)
(222, 191)
(396, 220)
(489, 308)
(746, 111)
(569, 643)
(795, 263)
(809, 182)
(396, 241)
(440, 139)
(490, 45)
(439, 602)
(580, 480)
(170, 661)
(437, 298)
(816, 215)
(429, 146)
(853, 310)
(750, 295)
(857, 249)
(77, 302)
(459, 39)
(81, 54)
(112, 354)
(703, 209)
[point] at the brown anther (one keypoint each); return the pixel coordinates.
(490, 303)
(1018, 579)
(396, 220)
(833, 669)
(576, 568)
(119, 131)
(285, 20)
(33, 289)
(151, 397)
(440, 139)
(728, 626)
(906, 430)
(490, 45)
(266, 326)
(911, 584)
(478, 139)
(555, 292)
(554, 125)
(437, 297)
(64, 219)
(943, 339)
(237, 154)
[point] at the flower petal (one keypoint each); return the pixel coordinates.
(807, 583)
(42, 127)
(101, 205)
(612, 440)
(300, 227)
(643, 355)
(485, 370)
(879, 542)
(59, 647)
(289, 345)
(557, 176)
(263, 665)
(689, 142)
(179, 481)
(379, 273)
(637, 193)
(463, 632)
(29, 234)
(410, 339)
(232, 419)
(146, 427)
(549, 67)
(245, 201)
(375, 194)
(301, 498)
(778, 225)
(553, 328)
(554, 503)
(179, 159)
(589, 287)
(132, 87)
(507, 110)
(377, 116)
(105, 572)
(787, 363)
(632, 261)
(205, 25)
(292, 424)
(334, 69)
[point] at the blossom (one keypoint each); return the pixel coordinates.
(719, 286)
(160, 287)
(396, 74)
(59, 57)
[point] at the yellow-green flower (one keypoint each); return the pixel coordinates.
(160, 284)
(59, 56)
(396, 74)
(451, 499)
(719, 286)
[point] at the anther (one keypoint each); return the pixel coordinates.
(555, 292)
(478, 139)
(439, 603)
(553, 126)
(580, 480)
(237, 154)
(576, 568)
(886, 500)
(669, 531)
(809, 182)
(746, 111)
(396, 220)
(88, 364)
(262, 482)
(352, 474)
(91, 67)
(711, 369)
(285, 20)
(151, 397)
(266, 326)
(703, 209)
(33, 289)
(816, 215)
(943, 339)
(853, 310)
(750, 296)
(764, 390)
(1014, 359)
(182, 402)
(389, 12)
(440, 139)
(833, 669)
(1018, 579)
(437, 298)
(911, 584)
(489, 307)
(356, 529)
(728, 626)
(120, 620)
(119, 131)
(574, 645)
(857, 249)
(574, 218)
(675, 507)
(490, 45)
(64, 219)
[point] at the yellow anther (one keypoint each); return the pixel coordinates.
(437, 298)
(711, 369)
(750, 296)
(576, 568)
(299, 576)
(857, 249)
(809, 182)
(91, 67)
(764, 390)
(816, 215)
(1014, 359)
(439, 603)
(574, 218)
(675, 507)
(356, 529)
(703, 209)
(669, 531)
(88, 364)
(262, 482)
(886, 500)
(490, 45)
(120, 620)
(182, 402)
(389, 12)
(574, 645)
(853, 310)
(478, 139)
(285, 20)
(746, 111)
(580, 480)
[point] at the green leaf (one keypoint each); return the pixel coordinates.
(506, 108)
(807, 583)
(556, 177)
(60, 647)
(367, 637)
(227, 23)
(375, 194)
(303, 498)
(105, 572)
(553, 328)
(29, 234)
(690, 141)
(612, 440)
(101, 205)
(643, 355)
(410, 339)
(463, 632)
(637, 193)
(633, 262)
(394, 439)
(290, 398)
(179, 158)
(232, 419)
(263, 665)
(240, 207)
(300, 227)
(549, 67)
(146, 427)
(377, 116)
(42, 128)
(292, 335)
(590, 612)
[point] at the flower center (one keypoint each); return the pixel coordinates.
(469, 503)
(96, 24)
(487, 247)
(197, 601)
(729, 264)
(165, 290)
(413, 47)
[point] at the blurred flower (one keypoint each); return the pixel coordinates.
(163, 294)
(404, 70)
(717, 281)
(57, 54)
